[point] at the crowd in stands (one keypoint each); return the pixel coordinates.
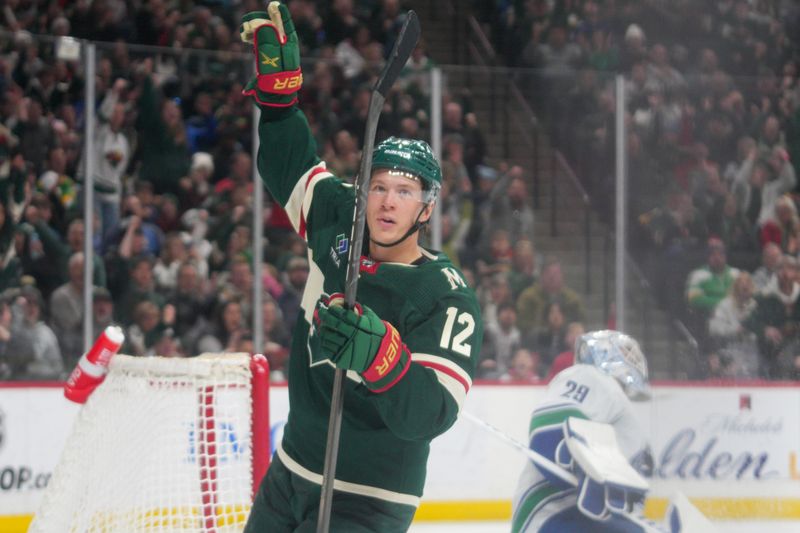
(713, 142)
(173, 182)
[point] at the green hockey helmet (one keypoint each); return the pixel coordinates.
(412, 157)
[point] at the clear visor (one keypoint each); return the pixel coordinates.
(407, 190)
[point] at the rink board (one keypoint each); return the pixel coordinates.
(732, 449)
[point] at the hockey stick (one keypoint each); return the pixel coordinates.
(537, 458)
(405, 44)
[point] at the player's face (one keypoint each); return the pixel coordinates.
(393, 204)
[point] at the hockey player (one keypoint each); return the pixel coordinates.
(610, 370)
(409, 346)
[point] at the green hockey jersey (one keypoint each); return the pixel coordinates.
(385, 437)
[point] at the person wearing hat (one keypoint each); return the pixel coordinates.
(409, 345)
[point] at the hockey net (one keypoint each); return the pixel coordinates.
(164, 444)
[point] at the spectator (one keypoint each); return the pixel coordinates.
(533, 301)
(166, 344)
(59, 186)
(501, 339)
(549, 341)
(111, 157)
(228, 328)
(735, 231)
(497, 257)
(137, 217)
(509, 206)
(708, 285)
(294, 280)
(566, 358)
(173, 255)
(345, 156)
(784, 228)
(59, 252)
(6, 364)
(236, 283)
(524, 367)
(144, 329)
(140, 288)
(201, 126)
(499, 293)
(744, 147)
(241, 174)
(341, 21)
(192, 306)
(41, 358)
(10, 265)
(195, 188)
(775, 320)
(556, 62)
(523, 267)
(34, 133)
(727, 327)
(765, 275)
(66, 312)
(102, 311)
(465, 126)
(276, 337)
(754, 190)
(164, 148)
(661, 74)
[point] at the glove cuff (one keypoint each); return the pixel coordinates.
(263, 99)
(390, 363)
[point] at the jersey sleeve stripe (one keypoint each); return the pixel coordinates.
(445, 365)
(451, 376)
(300, 200)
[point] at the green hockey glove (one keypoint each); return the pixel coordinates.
(357, 339)
(278, 75)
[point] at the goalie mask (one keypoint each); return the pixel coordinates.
(619, 356)
(413, 159)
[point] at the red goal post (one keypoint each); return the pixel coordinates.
(164, 444)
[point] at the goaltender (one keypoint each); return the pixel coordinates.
(410, 344)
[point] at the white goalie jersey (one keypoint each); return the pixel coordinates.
(542, 504)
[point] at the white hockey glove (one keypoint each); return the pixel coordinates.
(607, 482)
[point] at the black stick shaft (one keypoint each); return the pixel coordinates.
(406, 42)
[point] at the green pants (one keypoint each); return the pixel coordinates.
(287, 503)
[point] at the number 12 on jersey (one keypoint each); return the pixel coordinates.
(458, 342)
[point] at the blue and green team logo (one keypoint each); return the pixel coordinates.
(342, 243)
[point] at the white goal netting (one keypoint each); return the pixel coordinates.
(162, 445)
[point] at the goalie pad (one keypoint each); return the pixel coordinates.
(609, 484)
(683, 517)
